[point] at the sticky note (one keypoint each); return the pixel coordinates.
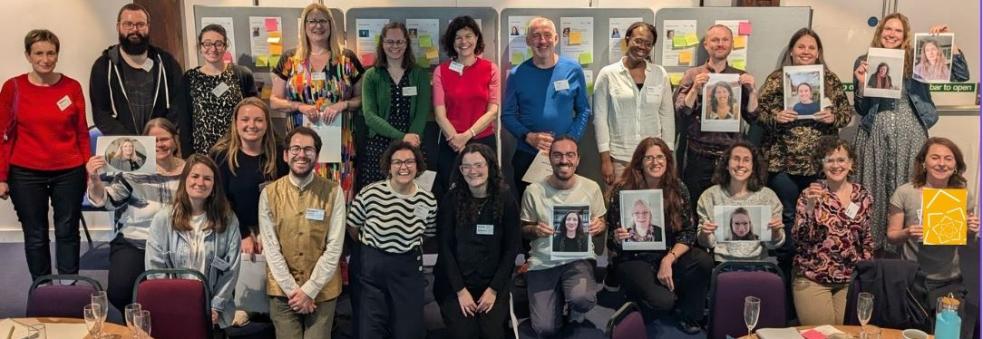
(273, 39)
(740, 42)
(586, 58)
(740, 64)
(262, 61)
(691, 39)
(686, 57)
(368, 58)
(423, 62)
(744, 28)
(274, 59)
(675, 78)
(517, 58)
(425, 41)
(227, 57)
(276, 49)
(576, 38)
(276, 34)
(271, 24)
(678, 41)
(432, 53)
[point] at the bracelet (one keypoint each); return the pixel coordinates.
(472, 132)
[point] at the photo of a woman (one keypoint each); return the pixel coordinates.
(881, 78)
(570, 235)
(741, 227)
(642, 229)
(127, 157)
(721, 102)
(515, 31)
(615, 34)
(806, 105)
(932, 64)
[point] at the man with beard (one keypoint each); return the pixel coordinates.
(302, 222)
(132, 82)
(551, 282)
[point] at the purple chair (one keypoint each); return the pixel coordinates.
(47, 299)
(179, 307)
(730, 283)
(627, 323)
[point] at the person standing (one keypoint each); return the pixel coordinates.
(44, 146)
(133, 82)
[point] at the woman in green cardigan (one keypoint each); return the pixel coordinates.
(395, 99)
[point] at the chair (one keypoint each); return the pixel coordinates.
(731, 282)
(47, 299)
(627, 323)
(179, 307)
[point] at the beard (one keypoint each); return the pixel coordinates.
(134, 47)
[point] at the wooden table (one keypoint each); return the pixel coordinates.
(114, 331)
(853, 331)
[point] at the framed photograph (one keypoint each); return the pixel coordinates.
(933, 57)
(885, 68)
(571, 239)
(135, 154)
(742, 223)
(721, 104)
(803, 87)
(642, 216)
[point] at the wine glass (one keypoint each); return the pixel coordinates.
(99, 297)
(865, 306)
(141, 321)
(93, 321)
(752, 307)
(129, 312)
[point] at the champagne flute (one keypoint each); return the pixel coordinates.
(141, 320)
(129, 312)
(99, 297)
(865, 306)
(93, 322)
(752, 307)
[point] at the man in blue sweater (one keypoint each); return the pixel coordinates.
(545, 96)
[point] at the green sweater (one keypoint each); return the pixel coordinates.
(376, 102)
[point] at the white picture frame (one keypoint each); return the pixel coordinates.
(803, 90)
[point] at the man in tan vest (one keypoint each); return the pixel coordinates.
(302, 223)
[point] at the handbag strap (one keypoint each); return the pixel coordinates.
(9, 131)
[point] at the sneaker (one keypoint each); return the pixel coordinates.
(611, 286)
(690, 327)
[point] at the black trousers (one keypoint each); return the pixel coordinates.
(125, 265)
(690, 275)
(489, 325)
(390, 294)
(698, 174)
(31, 191)
(445, 162)
(520, 164)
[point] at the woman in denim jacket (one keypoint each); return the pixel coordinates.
(199, 232)
(893, 130)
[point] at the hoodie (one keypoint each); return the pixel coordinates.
(110, 103)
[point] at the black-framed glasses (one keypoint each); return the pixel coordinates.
(409, 163)
(309, 150)
(315, 22)
(216, 45)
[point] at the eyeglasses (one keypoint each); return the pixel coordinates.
(559, 156)
(835, 161)
(315, 22)
(409, 163)
(476, 166)
(216, 45)
(642, 42)
(127, 25)
(394, 42)
(294, 150)
(651, 159)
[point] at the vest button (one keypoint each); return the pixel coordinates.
(300, 254)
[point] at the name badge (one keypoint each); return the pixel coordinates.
(851, 211)
(220, 89)
(220, 264)
(421, 212)
(64, 103)
(485, 229)
(319, 76)
(148, 65)
(409, 91)
(457, 67)
(651, 92)
(314, 214)
(561, 85)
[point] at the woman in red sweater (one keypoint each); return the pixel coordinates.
(42, 154)
(465, 95)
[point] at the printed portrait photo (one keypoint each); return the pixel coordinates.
(642, 216)
(128, 153)
(885, 71)
(742, 223)
(571, 238)
(722, 104)
(933, 57)
(803, 89)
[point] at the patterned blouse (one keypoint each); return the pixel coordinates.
(210, 113)
(829, 243)
(340, 77)
(789, 147)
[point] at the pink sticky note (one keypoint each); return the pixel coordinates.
(227, 58)
(368, 58)
(813, 334)
(271, 25)
(744, 28)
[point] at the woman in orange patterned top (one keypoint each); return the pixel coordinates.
(832, 234)
(320, 81)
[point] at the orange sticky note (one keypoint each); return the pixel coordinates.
(740, 42)
(744, 28)
(276, 49)
(432, 53)
(576, 38)
(685, 57)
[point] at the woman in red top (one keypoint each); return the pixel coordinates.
(42, 154)
(465, 95)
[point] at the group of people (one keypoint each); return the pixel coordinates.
(226, 188)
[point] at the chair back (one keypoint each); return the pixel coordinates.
(47, 299)
(731, 282)
(627, 323)
(178, 303)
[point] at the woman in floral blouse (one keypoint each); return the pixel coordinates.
(832, 234)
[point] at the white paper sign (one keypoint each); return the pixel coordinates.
(539, 169)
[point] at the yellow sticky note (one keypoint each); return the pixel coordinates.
(517, 58)
(425, 41)
(262, 61)
(576, 38)
(432, 53)
(740, 64)
(624, 47)
(675, 78)
(586, 58)
(691, 39)
(273, 40)
(276, 49)
(274, 59)
(944, 216)
(274, 34)
(678, 41)
(686, 57)
(740, 42)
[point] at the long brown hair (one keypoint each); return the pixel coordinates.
(230, 143)
(921, 173)
(217, 209)
(905, 43)
(759, 170)
(633, 178)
